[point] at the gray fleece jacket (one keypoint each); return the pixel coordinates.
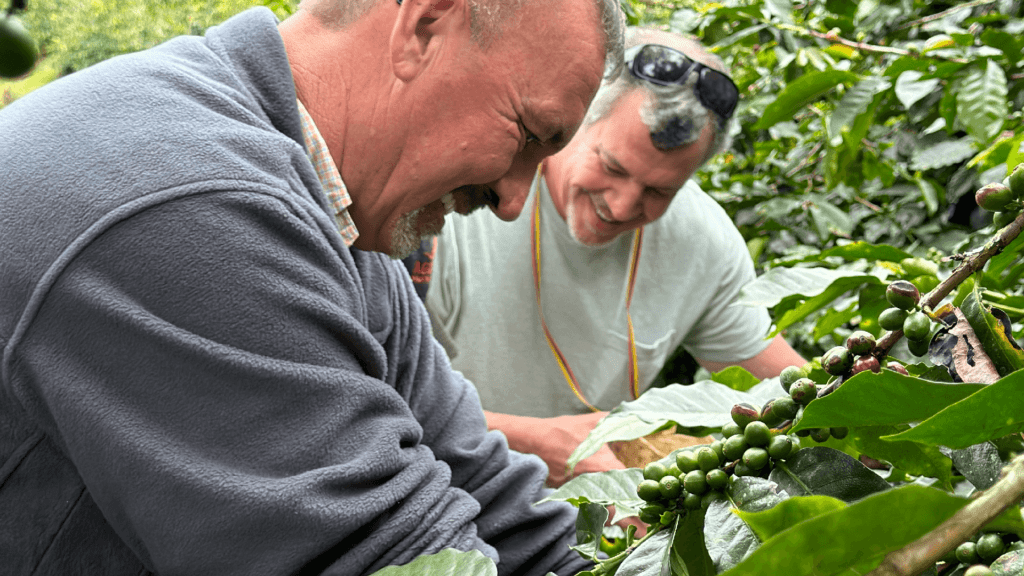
(198, 377)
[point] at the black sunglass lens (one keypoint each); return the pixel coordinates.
(662, 65)
(718, 93)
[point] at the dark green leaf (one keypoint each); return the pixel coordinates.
(729, 540)
(613, 487)
(994, 411)
(942, 154)
(979, 464)
(800, 93)
(590, 522)
(911, 457)
(689, 554)
(448, 562)
(1009, 564)
(858, 535)
(870, 399)
(855, 102)
(789, 513)
(651, 558)
(826, 472)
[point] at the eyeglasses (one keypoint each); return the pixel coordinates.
(667, 66)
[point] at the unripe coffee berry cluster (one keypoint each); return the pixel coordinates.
(906, 315)
(979, 553)
(803, 390)
(699, 477)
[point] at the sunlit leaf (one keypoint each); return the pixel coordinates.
(447, 562)
(910, 89)
(800, 93)
(981, 102)
(789, 513)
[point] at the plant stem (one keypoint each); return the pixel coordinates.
(862, 46)
(923, 553)
(944, 13)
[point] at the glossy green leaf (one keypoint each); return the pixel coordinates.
(994, 340)
(788, 514)
(702, 404)
(610, 488)
(737, 378)
(870, 399)
(651, 558)
(979, 464)
(773, 286)
(448, 562)
(857, 535)
(981, 102)
(911, 457)
(728, 539)
(942, 154)
(801, 92)
(689, 554)
(817, 470)
(994, 411)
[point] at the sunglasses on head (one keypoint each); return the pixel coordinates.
(667, 66)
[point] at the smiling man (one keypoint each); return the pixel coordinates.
(619, 260)
(211, 365)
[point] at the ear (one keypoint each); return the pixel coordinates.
(419, 26)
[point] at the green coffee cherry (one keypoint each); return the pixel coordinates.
(860, 342)
(803, 391)
(979, 570)
(674, 470)
(649, 517)
(839, 432)
(734, 447)
(837, 361)
(917, 326)
(649, 490)
(902, 294)
(769, 415)
(820, 435)
(780, 447)
(990, 547)
(18, 48)
(757, 434)
(994, 197)
(1003, 219)
(731, 429)
(791, 374)
(710, 498)
(967, 553)
(695, 482)
(718, 446)
(655, 471)
(1016, 182)
(743, 414)
(892, 318)
(686, 461)
(717, 479)
(918, 347)
(707, 459)
(755, 458)
(670, 487)
(691, 501)
(785, 408)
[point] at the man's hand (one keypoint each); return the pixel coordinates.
(554, 439)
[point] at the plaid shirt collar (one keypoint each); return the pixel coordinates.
(330, 178)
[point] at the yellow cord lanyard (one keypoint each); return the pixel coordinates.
(563, 365)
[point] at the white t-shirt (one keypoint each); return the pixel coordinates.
(484, 309)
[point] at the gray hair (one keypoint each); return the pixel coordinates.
(674, 107)
(488, 20)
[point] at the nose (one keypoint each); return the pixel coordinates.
(624, 201)
(513, 188)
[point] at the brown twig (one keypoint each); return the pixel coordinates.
(922, 554)
(862, 46)
(944, 13)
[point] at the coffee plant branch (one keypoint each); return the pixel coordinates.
(969, 264)
(944, 13)
(832, 36)
(922, 554)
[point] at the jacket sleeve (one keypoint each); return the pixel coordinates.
(236, 399)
